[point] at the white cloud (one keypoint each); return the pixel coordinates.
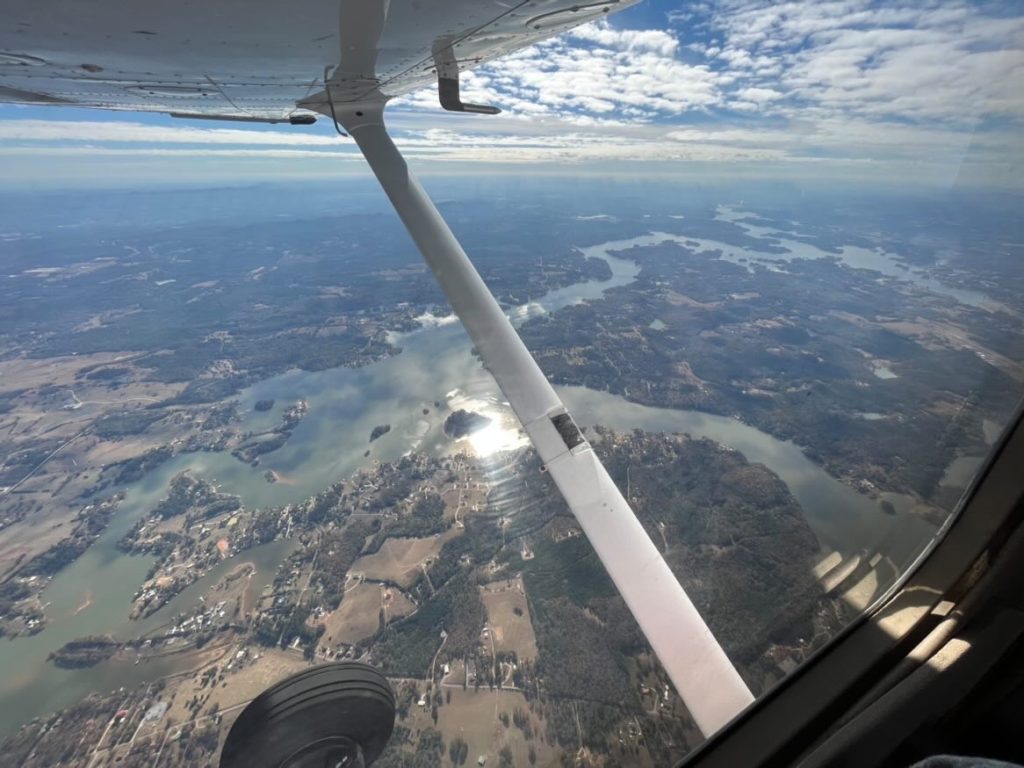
(759, 95)
(112, 131)
(907, 60)
(594, 71)
(832, 84)
(936, 67)
(655, 41)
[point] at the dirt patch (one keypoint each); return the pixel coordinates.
(94, 452)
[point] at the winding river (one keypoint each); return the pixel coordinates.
(92, 596)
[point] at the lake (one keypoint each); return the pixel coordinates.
(436, 365)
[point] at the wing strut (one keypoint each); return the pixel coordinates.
(701, 672)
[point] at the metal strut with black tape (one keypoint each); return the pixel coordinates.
(448, 81)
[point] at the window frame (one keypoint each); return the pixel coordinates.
(805, 707)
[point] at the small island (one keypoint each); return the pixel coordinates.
(263, 405)
(379, 431)
(253, 446)
(462, 422)
(85, 651)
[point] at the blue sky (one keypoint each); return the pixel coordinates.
(896, 92)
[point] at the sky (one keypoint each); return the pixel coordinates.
(899, 93)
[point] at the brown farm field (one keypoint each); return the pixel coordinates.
(511, 631)
(29, 373)
(474, 716)
(42, 499)
(358, 615)
(399, 560)
(247, 679)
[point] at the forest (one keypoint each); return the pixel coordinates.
(792, 357)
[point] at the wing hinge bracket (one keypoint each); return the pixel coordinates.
(448, 82)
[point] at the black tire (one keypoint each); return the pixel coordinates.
(337, 701)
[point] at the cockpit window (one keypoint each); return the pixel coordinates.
(770, 258)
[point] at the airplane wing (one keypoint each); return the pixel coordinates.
(255, 60)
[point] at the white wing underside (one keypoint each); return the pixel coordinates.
(255, 59)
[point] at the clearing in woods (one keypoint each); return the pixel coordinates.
(474, 716)
(400, 560)
(512, 631)
(358, 615)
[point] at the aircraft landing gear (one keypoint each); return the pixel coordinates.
(337, 715)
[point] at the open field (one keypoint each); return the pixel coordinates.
(228, 690)
(247, 678)
(24, 540)
(52, 410)
(28, 372)
(464, 498)
(397, 605)
(256, 676)
(136, 729)
(358, 616)
(473, 715)
(94, 452)
(511, 631)
(400, 560)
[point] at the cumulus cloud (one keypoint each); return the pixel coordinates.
(837, 83)
(837, 80)
(657, 41)
(592, 72)
(922, 61)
